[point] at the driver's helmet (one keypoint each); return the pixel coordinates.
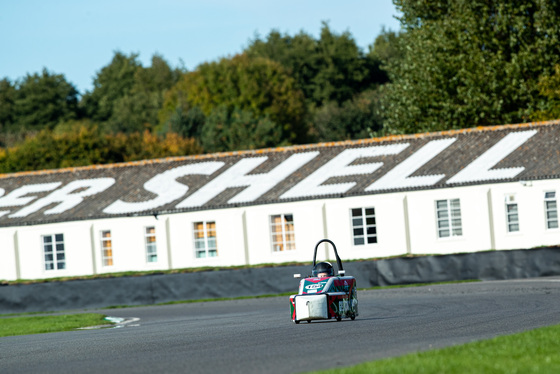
(323, 267)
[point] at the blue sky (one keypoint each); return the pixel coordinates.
(77, 37)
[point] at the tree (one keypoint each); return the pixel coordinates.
(258, 86)
(332, 68)
(549, 87)
(354, 119)
(84, 145)
(470, 63)
(8, 94)
(188, 124)
(144, 146)
(343, 70)
(81, 143)
(137, 109)
(383, 52)
(41, 101)
(226, 130)
(297, 54)
(111, 83)
(126, 96)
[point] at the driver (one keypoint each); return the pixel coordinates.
(323, 270)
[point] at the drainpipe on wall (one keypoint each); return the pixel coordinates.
(245, 237)
(406, 226)
(93, 260)
(168, 239)
(491, 220)
(16, 254)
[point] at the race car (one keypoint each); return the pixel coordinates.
(324, 295)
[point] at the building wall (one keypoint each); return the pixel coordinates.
(405, 223)
(474, 218)
(391, 228)
(229, 238)
(533, 230)
(128, 243)
(7, 254)
(307, 223)
(77, 252)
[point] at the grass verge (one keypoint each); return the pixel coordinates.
(535, 351)
(43, 324)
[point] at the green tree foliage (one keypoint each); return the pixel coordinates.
(549, 87)
(110, 84)
(226, 130)
(187, 123)
(126, 96)
(383, 52)
(258, 86)
(332, 68)
(354, 119)
(8, 96)
(470, 63)
(137, 109)
(297, 54)
(343, 69)
(36, 102)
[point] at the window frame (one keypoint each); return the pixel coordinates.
(512, 216)
(209, 243)
(57, 248)
(106, 251)
(364, 226)
(455, 230)
(287, 236)
(150, 244)
(550, 197)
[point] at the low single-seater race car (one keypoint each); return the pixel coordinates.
(324, 295)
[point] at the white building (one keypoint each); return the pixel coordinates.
(449, 192)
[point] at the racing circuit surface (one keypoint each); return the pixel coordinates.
(257, 336)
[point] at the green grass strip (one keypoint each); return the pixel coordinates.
(43, 324)
(535, 351)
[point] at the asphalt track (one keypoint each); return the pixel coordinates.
(256, 336)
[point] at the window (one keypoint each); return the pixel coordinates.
(151, 248)
(364, 229)
(282, 230)
(106, 248)
(53, 248)
(205, 243)
(512, 215)
(448, 218)
(551, 210)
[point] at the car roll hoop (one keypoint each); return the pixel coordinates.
(341, 270)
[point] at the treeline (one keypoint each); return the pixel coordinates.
(453, 64)
(280, 90)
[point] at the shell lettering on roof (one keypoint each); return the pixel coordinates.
(278, 175)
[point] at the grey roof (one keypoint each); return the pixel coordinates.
(371, 166)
